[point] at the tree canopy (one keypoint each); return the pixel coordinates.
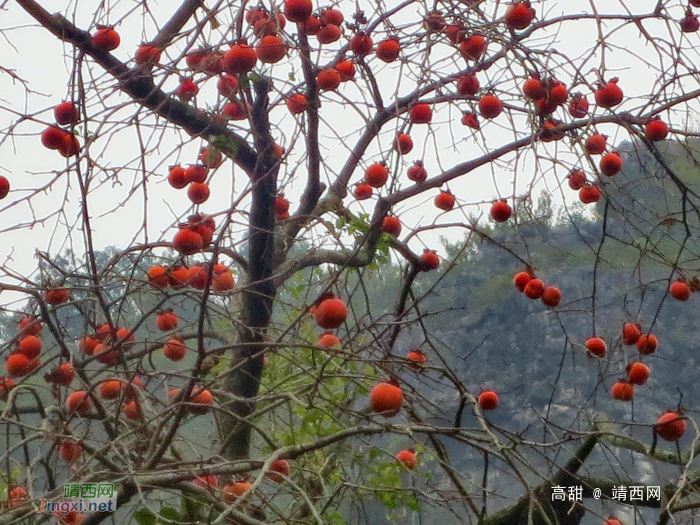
(354, 262)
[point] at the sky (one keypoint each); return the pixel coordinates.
(127, 190)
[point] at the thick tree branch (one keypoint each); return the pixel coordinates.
(666, 456)
(313, 189)
(361, 255)
(140, 86)
(243, 379)
(549, 511)
(173, 27)
(567, 473)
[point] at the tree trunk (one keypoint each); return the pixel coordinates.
(243, 380)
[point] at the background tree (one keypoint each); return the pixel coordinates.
(235, 313)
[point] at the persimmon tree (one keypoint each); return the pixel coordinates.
(258, 343)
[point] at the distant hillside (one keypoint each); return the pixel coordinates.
(494, 337)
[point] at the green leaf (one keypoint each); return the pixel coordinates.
(310, 421)
(168, 514)
(223, 144)
(145, 517)
(359, 225)
(381, 258)
(412, 503)
(392, 478)
(220, 367)
(190, 505)
(389, 500)
(335, 518)
(329, 225)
